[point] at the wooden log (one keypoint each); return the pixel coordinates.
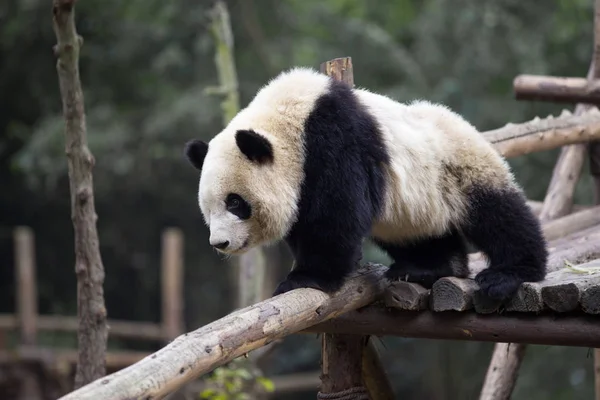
(500, 386)
(26, 284)
(376, 380)
(536, 207)
(452, 293)
(53, 356)
(406, 296)
(339, 69)
(172, 283)
(568, 224)
(580, 330)
(565, 176)
(590, 300)
(195, 353)
(341, 366)
(117, 328)
(562, 290)
(549, 133)
(93, 332)
(556, 89)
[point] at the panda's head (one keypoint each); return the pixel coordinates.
(243, 194)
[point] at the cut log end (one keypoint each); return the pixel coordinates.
(452, 293)
(527, 299)
(590, 300)
(406, 296)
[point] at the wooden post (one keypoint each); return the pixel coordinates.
(26, 284)
(26, 304)
(341, 362)
(343, 368)
(172, 283)
(93, 330)
(374, 375)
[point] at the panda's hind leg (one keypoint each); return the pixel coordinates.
(501, 225)
(427, 260)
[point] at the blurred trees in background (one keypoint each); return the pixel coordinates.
(145, 65)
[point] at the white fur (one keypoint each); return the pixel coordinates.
(423, 141)
(277, 112)
(422, 198)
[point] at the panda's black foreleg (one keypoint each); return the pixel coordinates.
(321, 261)
(501, 225)
(427, 260)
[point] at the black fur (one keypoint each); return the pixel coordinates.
(254, 146)
(195, 152)
(427, 260)
(238, 206)
(342, 192)
(502, 226)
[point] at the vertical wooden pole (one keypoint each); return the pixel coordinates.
(341, 362)
(26, 284)
(377, 382)
(349, 365)
(341, 365)
(172, 283)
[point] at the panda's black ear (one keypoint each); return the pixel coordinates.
(195, 152)
(254, 146)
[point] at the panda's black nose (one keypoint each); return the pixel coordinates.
(222, 245)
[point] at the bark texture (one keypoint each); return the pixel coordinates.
(92, 331)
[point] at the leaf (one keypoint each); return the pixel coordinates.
(266, 383)
(207, 393)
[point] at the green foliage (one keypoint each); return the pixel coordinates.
(235, 381)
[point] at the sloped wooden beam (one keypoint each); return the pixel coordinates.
(195, 353)
(548, 133)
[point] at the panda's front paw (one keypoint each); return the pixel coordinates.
(299, 281)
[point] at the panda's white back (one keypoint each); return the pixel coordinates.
(425, 141)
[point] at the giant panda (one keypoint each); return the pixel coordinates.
(322, 165)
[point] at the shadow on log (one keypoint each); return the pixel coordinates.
(581, 330)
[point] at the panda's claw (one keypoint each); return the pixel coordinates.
(407, 272)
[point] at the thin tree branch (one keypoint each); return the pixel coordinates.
(92, 330)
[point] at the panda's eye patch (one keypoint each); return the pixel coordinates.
(239, 207)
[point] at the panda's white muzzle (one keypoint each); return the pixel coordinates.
(228, 234)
